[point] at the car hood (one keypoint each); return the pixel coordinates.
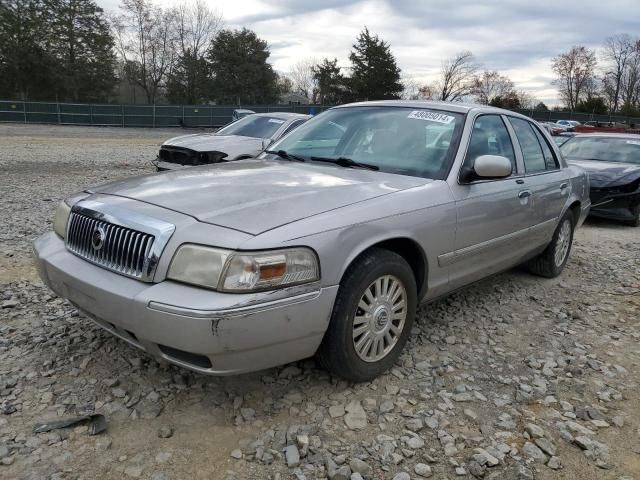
(232, 145)
(608, 174)
(254, 196)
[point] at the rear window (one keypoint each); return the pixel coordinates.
(253, 126)
(606, 149)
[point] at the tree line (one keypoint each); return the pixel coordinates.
(71, 50)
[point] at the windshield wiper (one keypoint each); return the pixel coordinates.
(345, 162)
(286, 156)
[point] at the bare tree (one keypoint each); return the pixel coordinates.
(196, 25)
(145, 41)
(617, 53)
(575, 71)
(489, 85)
(630, 83)
(411, 88)
(303, 79)
(457, 76)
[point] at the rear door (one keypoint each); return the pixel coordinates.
(492, 215)
(547, 183)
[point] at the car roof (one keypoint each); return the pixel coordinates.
(435, 105)
(283, 115)
(632, 136)
(243, 110)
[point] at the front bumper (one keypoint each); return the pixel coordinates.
(614, 204)
(206, 331)
(164, 166)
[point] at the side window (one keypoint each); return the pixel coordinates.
(489, 137)
(550, 159)
(532, 155)
(293, 126)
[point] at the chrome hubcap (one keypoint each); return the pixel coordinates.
(563, 243)
(379, 318)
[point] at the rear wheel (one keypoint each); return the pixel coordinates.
(372, 317)
(551, 262)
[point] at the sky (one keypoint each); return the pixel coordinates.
(516, 37)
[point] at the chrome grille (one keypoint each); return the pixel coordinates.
(115, 247)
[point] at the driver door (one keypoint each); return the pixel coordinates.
(492, 214)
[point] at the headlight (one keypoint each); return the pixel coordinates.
(61, 218)
(230, 271)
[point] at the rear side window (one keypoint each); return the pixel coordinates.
(293, 125)
(532, 154)
(549, 158)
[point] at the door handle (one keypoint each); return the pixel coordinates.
(563, 185)
(524, 194)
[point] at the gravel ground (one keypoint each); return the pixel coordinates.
(516, 377)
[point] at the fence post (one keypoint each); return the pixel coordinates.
(58, 113)
(91, 115)
(122, 113)
(24, 111)
(154, 114)
(182, 123)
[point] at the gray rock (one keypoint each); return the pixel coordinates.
(165, 431)
(356, 417)
(546, 446)
(530, 450)
(554, 463)
(336, 411)
(360, 466)
(423, 470)
(292, 456)
(237, 454)
(534, 430)
(356, 476)
(4, 451)
(133, 471)
(402, 476)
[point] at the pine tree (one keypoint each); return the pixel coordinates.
(25, 64)
(241, 73)
(83, 47)
(375, 74)
(331, 83)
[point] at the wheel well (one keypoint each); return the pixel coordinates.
(574, 208)
(414, 256)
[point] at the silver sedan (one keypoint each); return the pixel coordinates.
(324, 245)
(246, 137)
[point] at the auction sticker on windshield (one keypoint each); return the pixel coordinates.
(633, 142)
(431, 116)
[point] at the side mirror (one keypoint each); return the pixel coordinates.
(492, 166)
(266, 142)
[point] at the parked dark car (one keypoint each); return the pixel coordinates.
(613, 163)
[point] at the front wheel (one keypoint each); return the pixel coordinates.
(372, 317)
(551, 262)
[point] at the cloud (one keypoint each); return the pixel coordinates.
(517, 38)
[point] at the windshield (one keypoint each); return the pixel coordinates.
(606, 149)
(253, 126)
(403, 140)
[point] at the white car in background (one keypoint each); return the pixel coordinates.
(245, 138)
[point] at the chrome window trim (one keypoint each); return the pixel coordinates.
(161, 231)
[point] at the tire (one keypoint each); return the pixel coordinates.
(548, 264)
(635, 211)
(376, 271)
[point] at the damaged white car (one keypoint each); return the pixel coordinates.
(245, 138)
